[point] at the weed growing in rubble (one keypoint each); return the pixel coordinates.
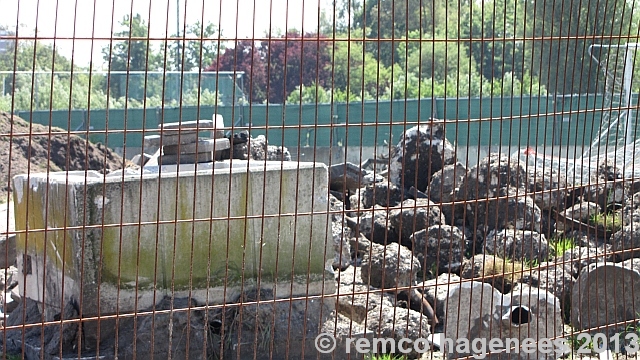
(561, 245)
(612, 222)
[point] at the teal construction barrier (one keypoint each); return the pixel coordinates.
(522, 121)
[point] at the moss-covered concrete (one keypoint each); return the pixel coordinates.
(140, 234)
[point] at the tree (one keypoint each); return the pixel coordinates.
(198, 52)
(354, 71)
(32, 56)
(295, 60)
(133, 54)
(245, 56)
(562, 60)
(492, 27)
(392, 21)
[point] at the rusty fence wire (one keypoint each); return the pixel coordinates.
(327, 179)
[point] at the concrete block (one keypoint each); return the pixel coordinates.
(203, 145)
(192, 125)
(208, 231)
(606, 294)
(476, 311)
(186, 158)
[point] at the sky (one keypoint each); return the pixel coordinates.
(73, 23)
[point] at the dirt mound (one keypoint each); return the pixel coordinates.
(51, 148)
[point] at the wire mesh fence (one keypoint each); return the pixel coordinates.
(348, 179)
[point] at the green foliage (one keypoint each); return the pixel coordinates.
(312, 94)
(612, 222)
(561, 245)
(196, 50)
(29, 55)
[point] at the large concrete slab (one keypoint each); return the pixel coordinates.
(209, 231)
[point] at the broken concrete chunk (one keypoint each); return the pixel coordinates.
(391, 266)
(554, 278)
(185, 158)
(348, 177)
(7, 250)
(493, 173)
(606, 294)
(513, 209)
(376, 226)
(381, 193)
(441, 247)
(422, 151)
(608, 170)
(581, 212)
(399, 323)
(608, 193)
(414, 215)
(341, 246)
(517, 245)
(631, 210)
(356, 301)
(626, 242)
(487, 314)
(201, 146)
(549, 188)
(445, 183)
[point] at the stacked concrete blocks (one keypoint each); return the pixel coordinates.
(183, 143)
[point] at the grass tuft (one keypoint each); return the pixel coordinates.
(561, 245)
(611, 222)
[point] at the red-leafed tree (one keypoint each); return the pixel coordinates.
(295, 60)
(245, 56)
(274, 68)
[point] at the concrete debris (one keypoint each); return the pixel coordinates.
(631, 211)
(608, 194)
(341, 245)
(389, 267)
(554, 278)
(356, 301)
(422, 151)
(509, 208)
(412, 216)
(582, 212)
(375, 225)
(382, 193)
(398, 323)
(493, 174)
(180, 142)
(350, 177)
(441, 247)
(444, 186)
(548, 188)
(488, 314)
(605, 296)
(608, 170)
(626, 242)
(517, 245)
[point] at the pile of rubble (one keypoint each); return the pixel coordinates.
(184, 143)
(37, 148)
(464, 246)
